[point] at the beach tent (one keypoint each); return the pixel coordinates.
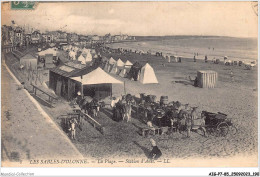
(29, 62)
(85, 51)
(97, 83)
(88, 57)
(120, 63)
(124, 72)
(114, 69)
(147, 75)
(95, 56)
(97, 76)
(48, 51)
(112, 61)
(82, 59)
(72, 55)
(120, 66)
(128, 64)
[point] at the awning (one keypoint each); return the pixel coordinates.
(98, 76)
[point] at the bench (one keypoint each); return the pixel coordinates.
(50, 96)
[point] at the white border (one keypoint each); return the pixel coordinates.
(134, 171)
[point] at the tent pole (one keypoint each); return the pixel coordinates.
(124, 88)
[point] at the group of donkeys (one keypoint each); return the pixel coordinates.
(173, 114)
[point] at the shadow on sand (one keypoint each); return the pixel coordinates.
(145, 150)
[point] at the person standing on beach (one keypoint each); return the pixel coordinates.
(73, 128)
(194, 58)
(206, 58)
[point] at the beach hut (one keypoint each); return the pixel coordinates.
(72, 55)
(106, 67)
(207, 78)
(124, 72)
(147, 75)
(112, 61)
(114, 69)
(120, 63)
(120, 66)
(128, 64)
(60, 82)
(96, 84)
(29, 62)
(88, 57)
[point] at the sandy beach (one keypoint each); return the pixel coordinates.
(235, 97)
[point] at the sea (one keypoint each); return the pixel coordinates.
(215, 47)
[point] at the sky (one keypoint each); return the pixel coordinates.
(236, 19)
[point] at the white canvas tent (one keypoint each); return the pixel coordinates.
(120, 63)
(96, 84)
(88, 57)
(128, 64)
(112, 61)
(98, 76)
(82, 59)
(120, 66)
(147, 75)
